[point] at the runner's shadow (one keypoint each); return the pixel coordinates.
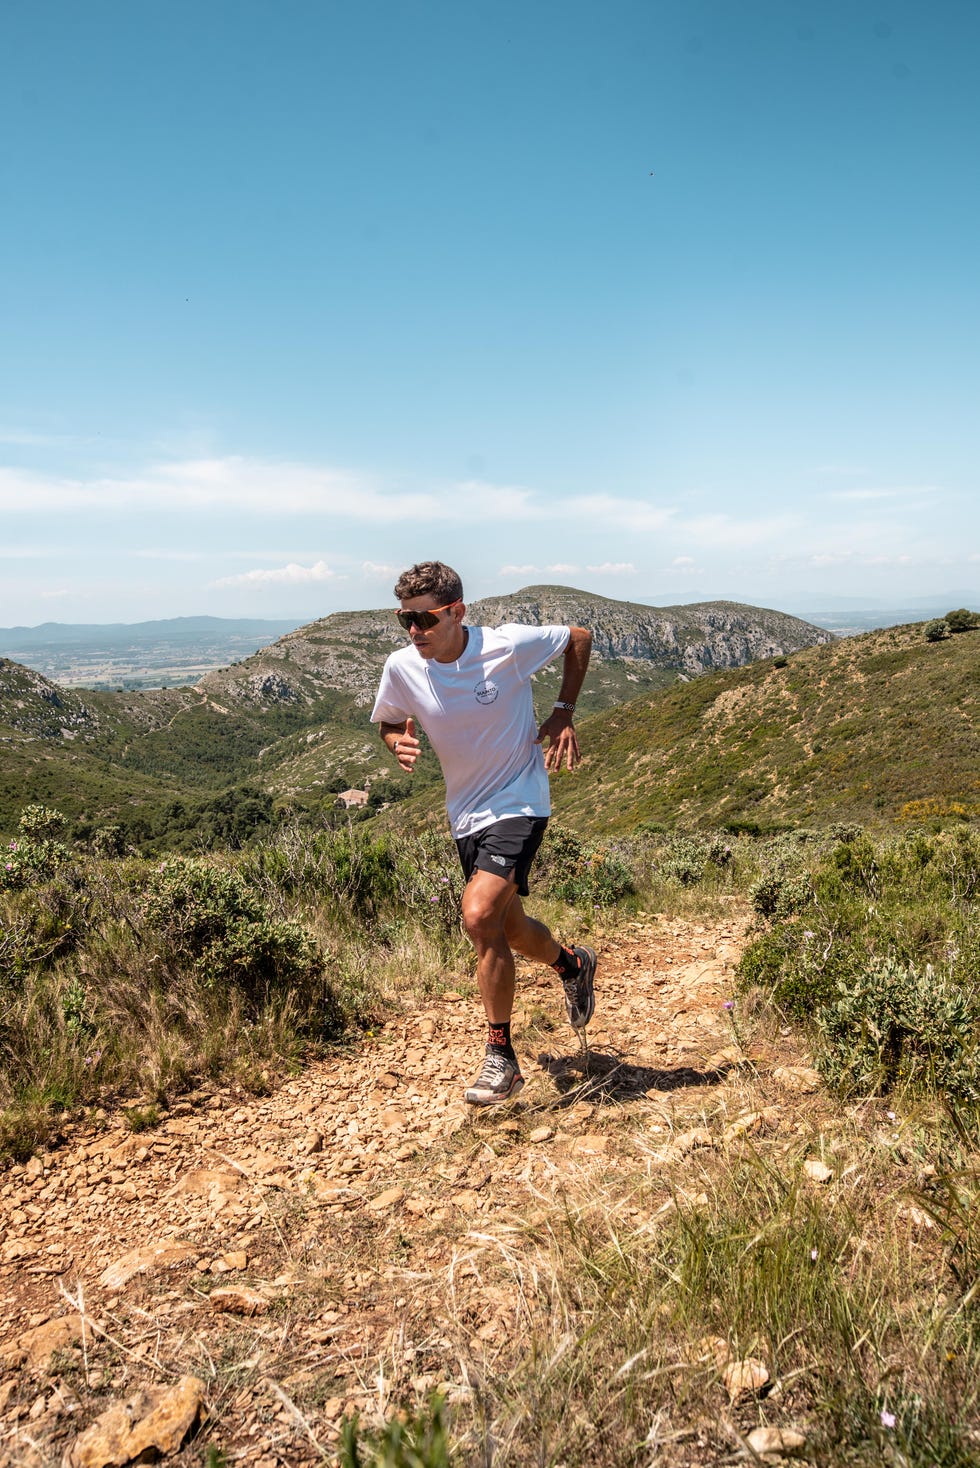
(613, 1078)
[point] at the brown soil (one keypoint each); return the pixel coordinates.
(362, 1212)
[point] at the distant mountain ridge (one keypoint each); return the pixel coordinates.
(49, 634)
(173, 651)
(345, 651)
(691, 638)
(291, 718)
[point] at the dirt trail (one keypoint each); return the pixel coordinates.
(359, 1212)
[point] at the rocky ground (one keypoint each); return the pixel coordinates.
(228, 1284)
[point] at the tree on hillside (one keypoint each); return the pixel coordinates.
(962, 620)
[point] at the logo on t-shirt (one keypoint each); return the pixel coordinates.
(486, 692)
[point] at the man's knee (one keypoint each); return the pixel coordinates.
(483, 920)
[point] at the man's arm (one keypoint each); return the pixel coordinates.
(562, 748)
(402, 743)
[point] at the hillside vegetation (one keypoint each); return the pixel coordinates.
(286, 729)
(743, 1222)
(881, 728)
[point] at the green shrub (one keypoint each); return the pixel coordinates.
(35, 853)
(877, 942)
(962, 620)
(937, 630)
(582, 872)
(899, 1024)
(781, 894)
(211, 920)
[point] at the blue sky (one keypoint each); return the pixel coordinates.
(658, 299)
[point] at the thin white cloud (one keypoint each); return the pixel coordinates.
(856, 558)
(723, 532)
(520, 571)
(900, 493)
(613, 512)
(291, 575)
(504, 501)
(682, 561)
(264, 487)
(377, 572)
(613, 568)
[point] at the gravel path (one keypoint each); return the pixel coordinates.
(274, 1251)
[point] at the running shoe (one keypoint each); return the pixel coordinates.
(580, 989)
(499, 1080)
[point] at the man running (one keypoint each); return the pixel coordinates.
(470, 689)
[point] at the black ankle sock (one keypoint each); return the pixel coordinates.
(566, 964)
(498, 1037)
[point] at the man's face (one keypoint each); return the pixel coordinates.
(444, 641)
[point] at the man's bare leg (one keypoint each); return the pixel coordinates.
(497, 926)
(487, 900)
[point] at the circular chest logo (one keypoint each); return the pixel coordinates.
(486, 692)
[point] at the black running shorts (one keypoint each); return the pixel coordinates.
(506, 848)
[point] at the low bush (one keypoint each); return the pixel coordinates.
(35, 853)
(876, 942)
(582, 872)
(895, 1023)
(208, 919)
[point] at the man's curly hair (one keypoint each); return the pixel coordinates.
(429, 578)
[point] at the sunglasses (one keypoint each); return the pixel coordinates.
(423, 620)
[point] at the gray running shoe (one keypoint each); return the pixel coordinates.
(499, 1080)
(580, 991)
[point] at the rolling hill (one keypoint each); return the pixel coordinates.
(882, 727)
(291, 720)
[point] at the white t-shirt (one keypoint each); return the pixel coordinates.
(479, 715)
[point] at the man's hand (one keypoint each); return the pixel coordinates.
(563, 746)
(406, 747)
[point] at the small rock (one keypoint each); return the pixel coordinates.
(541, 1134)
(237, 1300)
(388, 1199)
(236, 1259)
(743, 1378)
(714, 1348)
(153, 1423)
(312, 1142)
(145, 1261)
(817, 1171)
(35, 1346)
(918, 1217)
(687, 1141)
(784, 1442)
(208, 1182)
(742, 1126)
(724, 1059)
(799, 1078)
